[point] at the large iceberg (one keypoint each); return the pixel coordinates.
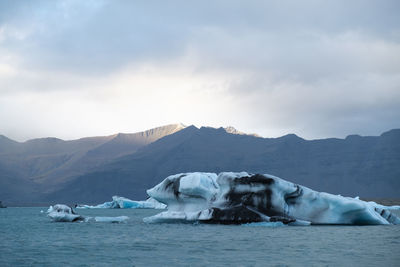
(125, 203)
(242, 198)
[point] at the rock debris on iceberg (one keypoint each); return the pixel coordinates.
(125, 203)
(242, 198)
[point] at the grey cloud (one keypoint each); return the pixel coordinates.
(90, 35)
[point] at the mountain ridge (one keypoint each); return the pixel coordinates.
(332, 165)
(355, 165)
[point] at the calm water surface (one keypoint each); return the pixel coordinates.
(29, 238)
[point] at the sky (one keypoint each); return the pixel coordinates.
(319, 69)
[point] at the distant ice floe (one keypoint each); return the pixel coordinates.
(243, 198)
(265, 224)
(125, 203)
(118, 219)
(64, 213)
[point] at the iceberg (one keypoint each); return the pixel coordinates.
(63, 213)
(244, 198)
(125, 203)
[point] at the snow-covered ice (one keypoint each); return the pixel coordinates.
(241, 198)
(125, 203)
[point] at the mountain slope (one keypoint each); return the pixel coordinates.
(45, 164)
(117, 146)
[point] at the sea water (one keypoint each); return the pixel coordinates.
(29, 238)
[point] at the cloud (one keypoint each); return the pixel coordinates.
(104, 35)
(318, 69)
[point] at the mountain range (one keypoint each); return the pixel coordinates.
(91, 170)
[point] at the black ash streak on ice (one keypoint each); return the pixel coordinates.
(242, 202)
(174, 185)
(260, 198)
(245, 204)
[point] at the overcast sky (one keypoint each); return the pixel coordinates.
(315, 68)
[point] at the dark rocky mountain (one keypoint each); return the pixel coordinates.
(355, 166)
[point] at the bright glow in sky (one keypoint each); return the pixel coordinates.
(315, 68)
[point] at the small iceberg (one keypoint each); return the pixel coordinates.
(64, 213)
(126, 203)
